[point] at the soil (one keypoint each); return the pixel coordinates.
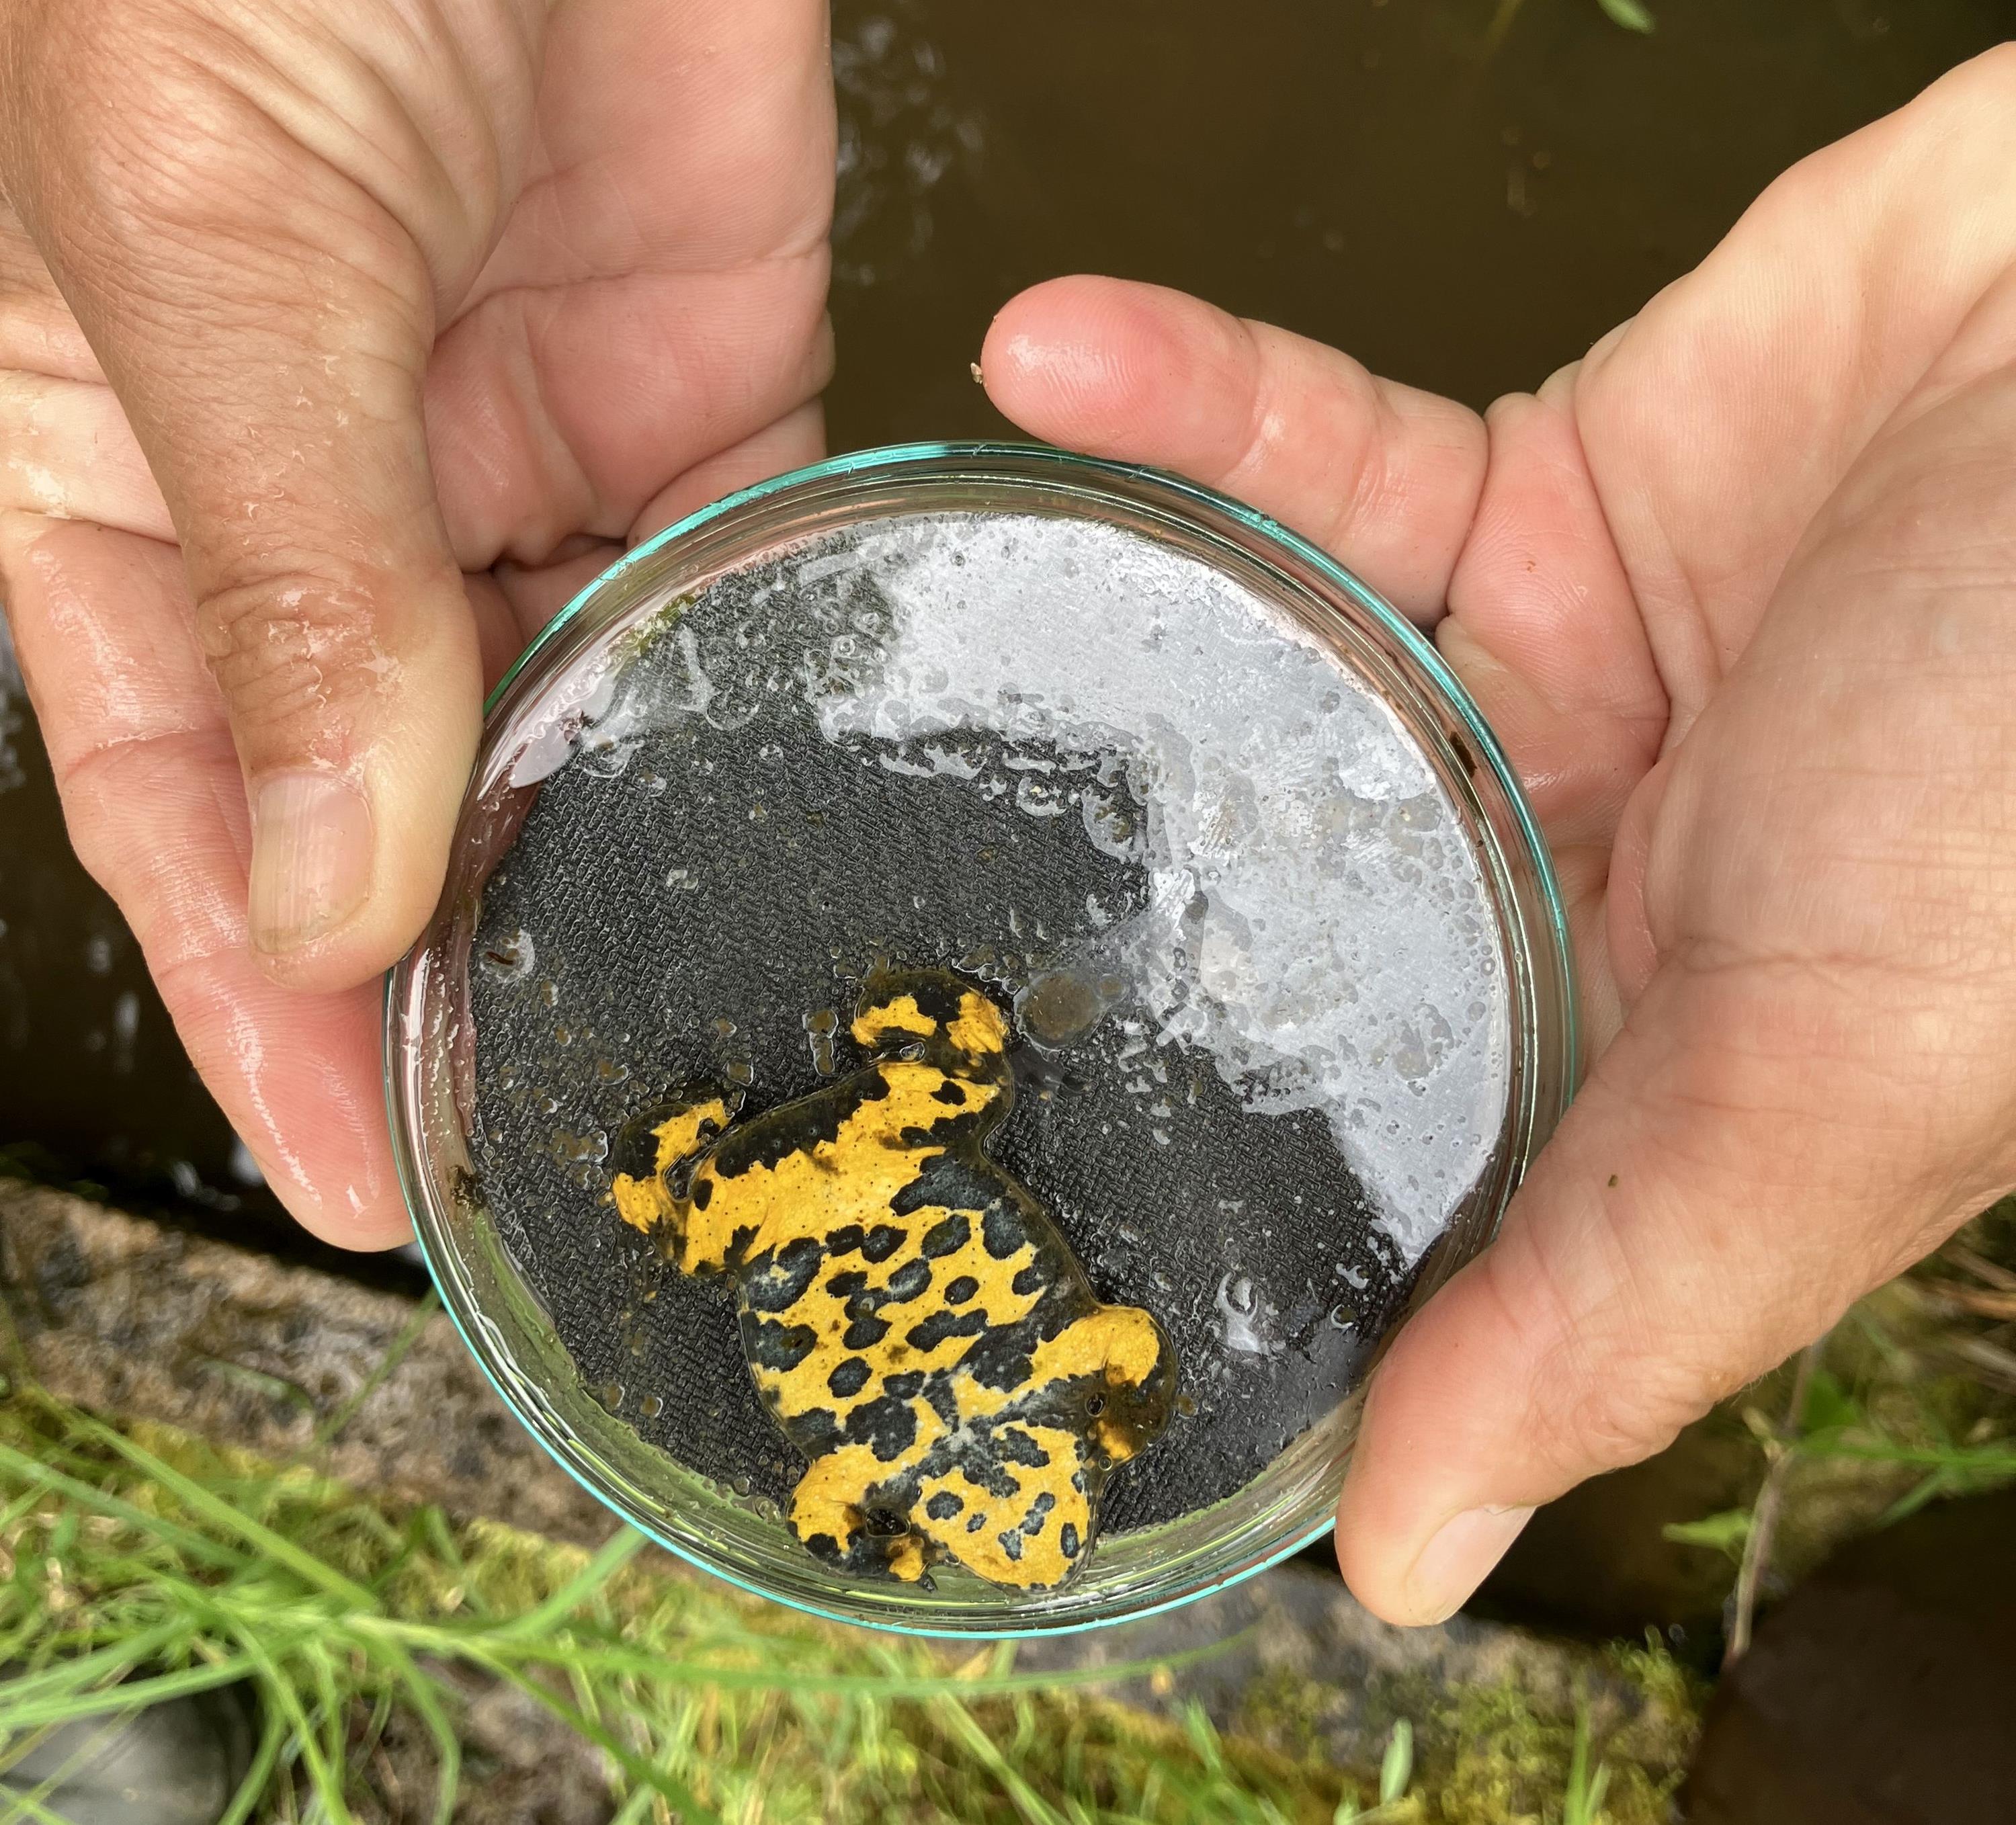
(1880, 1691)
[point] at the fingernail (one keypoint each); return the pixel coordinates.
(1458, 1558)
(310, 858)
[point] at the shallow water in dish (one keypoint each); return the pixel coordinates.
(1315, 923)
(1156, 818)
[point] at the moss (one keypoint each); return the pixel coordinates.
(1498, 1753)
(373, 1623)
(1494, 1756)
(1287, 1710)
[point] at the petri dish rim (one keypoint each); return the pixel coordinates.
(1542, 953)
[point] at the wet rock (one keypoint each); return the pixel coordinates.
(129, 1317)
(176, 1763)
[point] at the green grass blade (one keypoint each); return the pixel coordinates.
(134, 1693)
(1629, 14)
(199, 1500)
(278, 1689)
(84, 1669)
(419, 1690)
(1981, 1461)
(197, 1546)
(614, 1553)
(21, 1805)
(382, 1372)
(265, 1758)
(1396, 1767)
(962, 1724)
(662, 1779)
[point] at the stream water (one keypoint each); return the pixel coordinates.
(1460, 214)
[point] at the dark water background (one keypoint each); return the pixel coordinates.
(1461, 216)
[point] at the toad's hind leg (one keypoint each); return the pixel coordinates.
(835, 1518)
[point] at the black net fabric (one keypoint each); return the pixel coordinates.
(697, 902)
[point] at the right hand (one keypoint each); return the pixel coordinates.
(399, 321)
(1737, 591)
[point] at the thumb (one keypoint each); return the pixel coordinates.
(265, 320)
(1726, 1185)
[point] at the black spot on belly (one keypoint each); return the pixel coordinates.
(908, 1280)
(947, 1236)
(703, 1194)
(1030, 1279)
(865, 1333)
(1015, 1446)
(906, 1386)
(928, 1333)
(947, 1180)
(845, 1240)
(944, 1506)
(948, 1092)
(848, 1282)
(1011, 1544)
(780, 1283)
(774, 1345)
(887, 1426)
(881, 1242)
(849, 1378)
(1003, 1230)
(1067, 1539)
(961, 1290)
(999, 1357)
(815, 1432)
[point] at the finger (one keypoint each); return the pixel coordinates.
(67, 450)
(659, 296)
(265, 320)
(1736, 1172)
(141, 750)
(531, 596)
(37, 333)
(790, 442)
(1544, 631)
(1382, 476)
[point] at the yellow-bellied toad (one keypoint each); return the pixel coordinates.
(912, 1319)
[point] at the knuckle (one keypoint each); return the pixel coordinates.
(1599, 1403)
(292, 647)
(1603, 1387)
(1988, 80)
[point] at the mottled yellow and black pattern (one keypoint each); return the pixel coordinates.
(912, 1317)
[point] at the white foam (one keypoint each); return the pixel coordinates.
(1318, 925)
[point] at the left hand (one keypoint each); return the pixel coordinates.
(1738, 592)
(340, 342)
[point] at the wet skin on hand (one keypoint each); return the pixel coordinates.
(912, 1319)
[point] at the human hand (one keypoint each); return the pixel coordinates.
(1738, 592)
(399, 321)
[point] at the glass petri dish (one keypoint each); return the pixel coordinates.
(1273, 935)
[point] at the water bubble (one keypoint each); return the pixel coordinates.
(508, 959)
